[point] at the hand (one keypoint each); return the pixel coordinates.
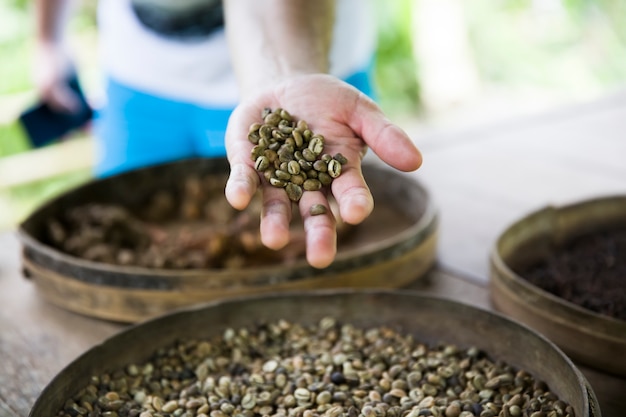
(52, 68)
(350, 123)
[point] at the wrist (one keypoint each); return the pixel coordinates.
(274, 41)
(256, 84)
(277, 68)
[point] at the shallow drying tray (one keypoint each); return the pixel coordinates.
(593, 339)
(393, 247)
(429, 319)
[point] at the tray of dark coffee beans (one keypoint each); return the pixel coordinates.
(144, 242)
(561, 270)
(343, 353)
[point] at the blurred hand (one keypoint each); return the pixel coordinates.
(52, 69)
(351, 123)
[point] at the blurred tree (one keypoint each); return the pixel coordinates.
(18, 4)
(569, 48)
(395, 67)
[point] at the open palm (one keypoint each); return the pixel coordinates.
(350, 123)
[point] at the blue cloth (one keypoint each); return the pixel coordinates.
(136, 129)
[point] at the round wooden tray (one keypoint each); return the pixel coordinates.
(590, 338)
(393, 247)
(429, 319)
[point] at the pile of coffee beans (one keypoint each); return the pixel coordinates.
(189, 226)
(588, 271)
(290, 155)
(330, 369)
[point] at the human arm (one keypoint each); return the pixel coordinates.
(52, 58)
(280, 51)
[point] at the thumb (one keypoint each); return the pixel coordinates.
(391, 143)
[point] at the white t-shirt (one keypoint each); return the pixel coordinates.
(201, 71)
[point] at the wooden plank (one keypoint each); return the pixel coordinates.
(36, 339)
(442, 283)
(62, 158)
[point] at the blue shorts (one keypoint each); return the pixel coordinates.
(136, 129)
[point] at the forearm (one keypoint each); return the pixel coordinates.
(272, 39)
(52, 60)
(51, 19)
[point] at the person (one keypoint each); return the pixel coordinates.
(188, 78)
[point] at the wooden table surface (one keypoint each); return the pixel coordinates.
(481, 179)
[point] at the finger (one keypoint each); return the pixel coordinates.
(353, 196)
(243, 180)
(241, 185)
(350, 190)
(320, 230)
(275, 217)
(387, 140)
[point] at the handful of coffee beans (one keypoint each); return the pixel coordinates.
(290, 155)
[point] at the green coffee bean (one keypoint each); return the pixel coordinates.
(277, 183)
(334, 168)
(309, 155)
(262, 163)
(293, 167)
(297, 137)
(317, 209)
(282, 175)
(324, 178)
(312, 185)
(287, 152)
(294, 191)
(316, 144)
(254, 137)
(342, 159)
(272, 119)
(265, 131)
(320, 166)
